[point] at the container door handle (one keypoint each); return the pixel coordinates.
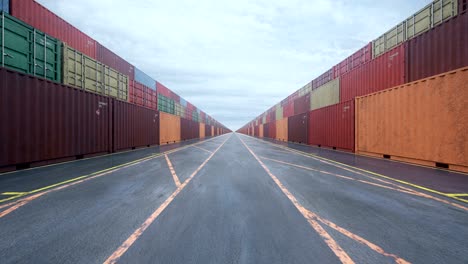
(37, 65)
(8, 55)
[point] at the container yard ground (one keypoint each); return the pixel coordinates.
(230, 199)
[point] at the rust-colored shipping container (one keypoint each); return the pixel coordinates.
(142, 95)
(424, 122)
(208, 131)
(213, 131)
(272, 130)
(323, 79)
(439, 50)
(288, 109)
(380, 73)
(134, 126)
(333, 126)
(189, 129)
(282, 129)
(302, 104)
(43, 121)
(266, 130)
(256, 132)
(260, 131)
(462, 6)
(358, 58)
(297, 128)
(169, 128)
(163, 90)
(114, 61)
(202, 130)
(46, 21)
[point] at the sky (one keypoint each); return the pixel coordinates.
(234, 59)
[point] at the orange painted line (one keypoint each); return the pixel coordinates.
(134, 237)
(171, 168)
(312, 217)
(332, 244)
(203, 149)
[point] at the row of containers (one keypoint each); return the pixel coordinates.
(46, 122)
(36, 41)
(439, 46)
(423, 122)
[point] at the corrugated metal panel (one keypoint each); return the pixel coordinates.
(166, 92)
(302, 104)
(183, 102)
(333, 126)
(169, 128)
(462, 6)
(114, 61)
(358, 58)
(305, 90)
(202, 130)
(381, 73)
(208, 131)
(41, 18)
(298, 127)
(323, 79)
(325, 95)
(430, 16)
(442, 49)
(5, 5)
(27, 50)
(272, 130)
(279, 112)
(282, 129)
(423, 122)
(43, 120)
(165, 104)
(212, 131)
(260, 131)
(266, 130)
(288, 109)
(84, 72)
(134, 126)
(142, 95)
(145, 79)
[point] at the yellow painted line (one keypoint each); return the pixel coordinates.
(457, 194)
(13, 193)
(366, 171)
(98, 172)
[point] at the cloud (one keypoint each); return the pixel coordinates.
(234, 59)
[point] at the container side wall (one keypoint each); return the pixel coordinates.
(297, 128)
(169, 128)
(282, 129)
(325, 95)
(145, 79)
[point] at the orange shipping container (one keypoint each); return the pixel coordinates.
(260, 131)
(424, 122)
(202, 130)
(282, 129)
(212, 131)
(169, 128)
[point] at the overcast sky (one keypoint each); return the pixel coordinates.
(234, 59)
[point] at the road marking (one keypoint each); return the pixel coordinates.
(202, 149)
(331, 243)
(343, 166)
(313, 218)
(97, 172)
(14, 193)
(131, 240)
(171, 168)
(457, 194)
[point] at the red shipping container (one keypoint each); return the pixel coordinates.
(360, 57)
(439, 50)
(208, 131)
(383, 72)
(272, 130)
(114, 61)
(266, 130)
(44, 20)
(256, 131)
(163, 90)
(288, 110)
(297, 128)
(44, 121)
(175, 97)
(462, 6)
(302, 104)
(333, 126)
(323, 79)
(190, 107)
(134, 126)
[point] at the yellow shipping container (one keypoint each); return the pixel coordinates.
(86, 73)
(325, 95)
(202, 130)
(430, 16)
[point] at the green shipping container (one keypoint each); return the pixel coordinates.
(86, 73)
(279, 112)
(28, 50)
(195, 116)
(166, 104)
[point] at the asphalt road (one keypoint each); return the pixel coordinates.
(230, 199)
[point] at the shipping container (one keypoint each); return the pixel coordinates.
(145, 79)
(333, 126)
(134, 126)
(167, 93)
(462, 6)
(381, 73)
(212, 131)
(260, 131)
(439, 50)
(325, 95)
(179, 110)
(323, 79)
(169, 128)
(114, 61)
(28, 50)
(430, 16)
(302, 104)
(166, 105)
(273, 115)
(202, 130)
(183, 102)
(44, 20)
(424, 122)
(44, 120)
(266, 130)
(279, 112)
(298, 127)
(256, 131)
(282, 129)
(306, 89)
(358, 58)
(5, 6)
(86, 73)
(141, 95)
